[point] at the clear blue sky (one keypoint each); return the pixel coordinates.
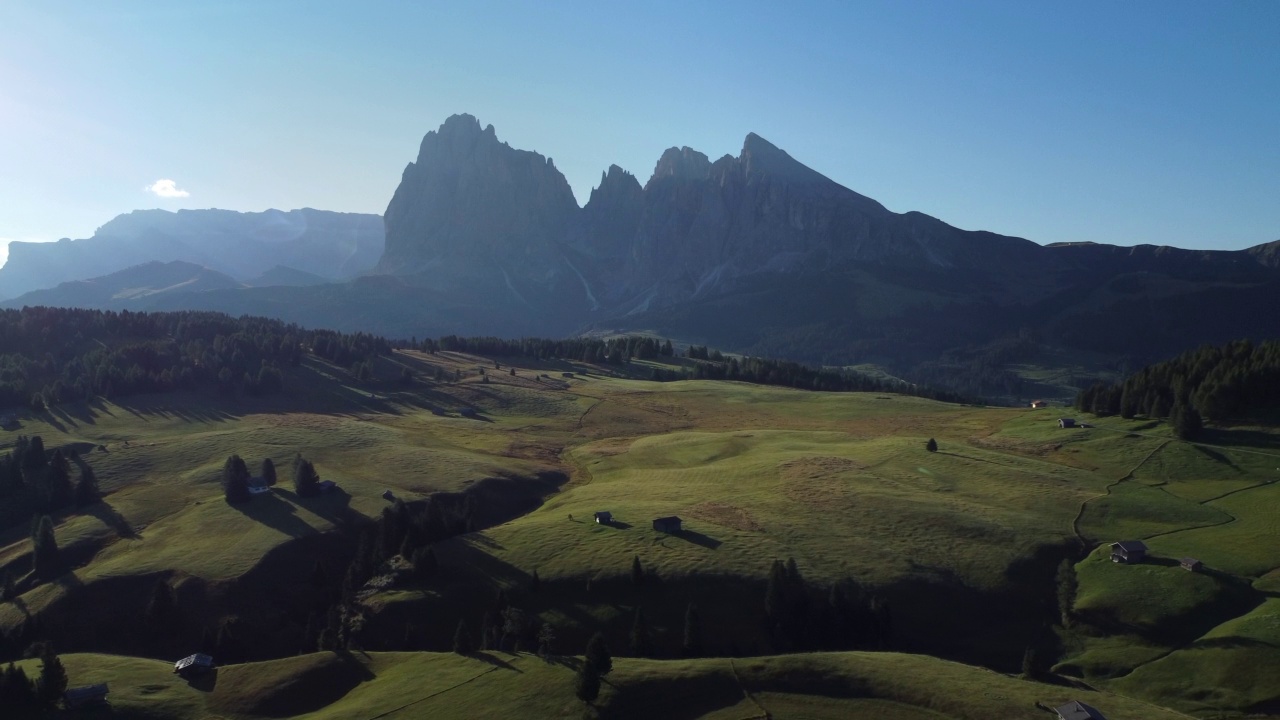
(1121, 122)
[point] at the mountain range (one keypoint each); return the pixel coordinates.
(332, 246)
(755, 253)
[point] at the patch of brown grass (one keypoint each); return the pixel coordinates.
(725, 515)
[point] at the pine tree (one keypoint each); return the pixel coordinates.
(269, 472)
(86, 492)
(45, 548)
(1186, 422)
(235, 480)
(598, 654)
(53, 678)
(637, 571)
(58, 480)
(546, 640)
(306, 482)
(462, 641)
(162, 603)
(641, 643)
(587, 686)
(692, 646)
(9, 590)
(1029, 663)
(932, 445)
(1066, 584)
(534, 582)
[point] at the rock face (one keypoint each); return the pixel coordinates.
(473, 212)
(472, 204)
(335, 246)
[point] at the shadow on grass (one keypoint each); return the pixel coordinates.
(102, 510)
(488, 657)
(272, 510)
(205, 681)
(333, 506)
(1216, 456)
(697, 538)
(617, 524)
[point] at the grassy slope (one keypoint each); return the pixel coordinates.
(841, 482)
(886, 686)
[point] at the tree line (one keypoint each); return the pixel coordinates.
(55, 355)
(1221, 384)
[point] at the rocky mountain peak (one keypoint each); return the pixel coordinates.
(684, 163)
(469, 195)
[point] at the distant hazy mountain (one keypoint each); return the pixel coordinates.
(287, 276)
(331, 245)
(759, 254)
(130, 288)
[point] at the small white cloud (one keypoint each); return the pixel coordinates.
(166, 188)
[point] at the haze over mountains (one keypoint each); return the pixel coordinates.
(755, 253)
(335, 246)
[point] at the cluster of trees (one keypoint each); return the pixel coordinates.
(615, 351)
(789, 374)
(1222, 384)
(54, 355)
(403, 530)
(36, 481)
(236, 477)
(29, 697)
(799, 618)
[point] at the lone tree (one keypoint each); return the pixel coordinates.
(637, 571)
(45, 548)
(932, 445)
(269, 472)
(462, 641)
(235, 480)
(598, 654)
(587, 686)
(306, 482)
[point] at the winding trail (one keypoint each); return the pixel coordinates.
(1075, 524)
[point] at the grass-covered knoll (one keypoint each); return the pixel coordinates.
(867, 686)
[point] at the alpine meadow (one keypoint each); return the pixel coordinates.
(498, 435)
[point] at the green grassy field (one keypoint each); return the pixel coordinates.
(324, 686)
(963, 543)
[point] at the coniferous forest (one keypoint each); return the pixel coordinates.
(1224, 385)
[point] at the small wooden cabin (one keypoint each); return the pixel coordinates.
(84, 696)
(1190, 564)
(258, 486)
(670, 524)
(192, 665)
(1066, 422)
(1128, 551)
(1039, 403)
(326, 486)
(604, 517)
